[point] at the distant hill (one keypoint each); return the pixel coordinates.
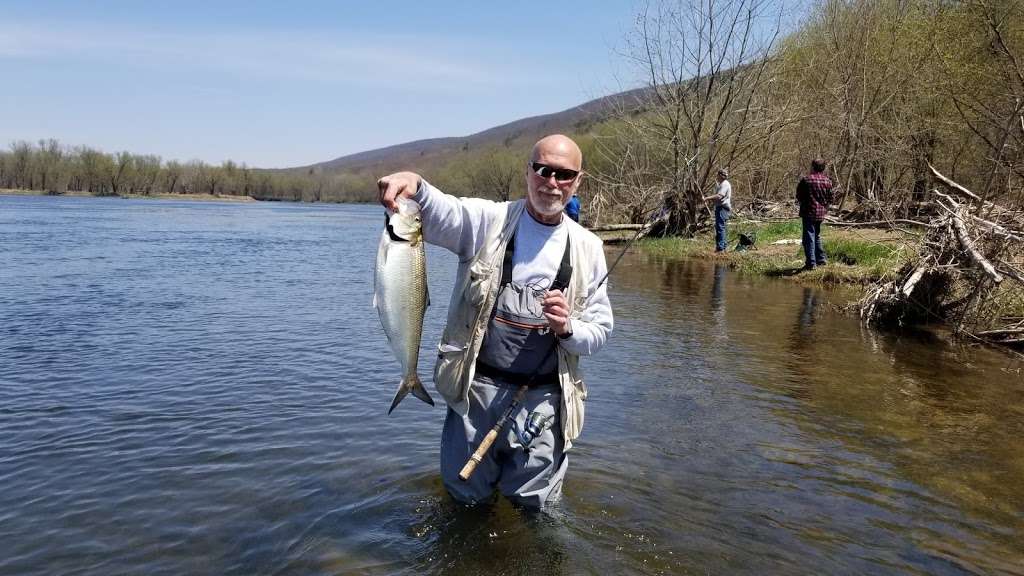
(425, 155)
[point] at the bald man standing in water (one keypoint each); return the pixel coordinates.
(527, 303)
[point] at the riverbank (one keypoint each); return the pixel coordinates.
(856, 255)
(159, 196)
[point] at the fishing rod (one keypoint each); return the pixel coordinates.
(657, 217)
(492, 434)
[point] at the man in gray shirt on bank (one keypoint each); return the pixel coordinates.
(723, 207)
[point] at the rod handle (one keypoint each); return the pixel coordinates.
(491, 436)
(478, 456)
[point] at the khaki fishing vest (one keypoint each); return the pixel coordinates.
(476, 287)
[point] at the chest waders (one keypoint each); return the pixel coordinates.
(519, 346)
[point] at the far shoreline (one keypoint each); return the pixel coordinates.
(157, 196)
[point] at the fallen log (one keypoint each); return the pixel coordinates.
(990, 206)
(1000, 332)
(908, 286)
(1011, 272)
(954, 206)
(964, 238)
(972, 250)
(614, 227)
(954, 186)
(877, 223)
(958, 276)
(996, 229)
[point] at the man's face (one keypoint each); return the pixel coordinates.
(547, 197)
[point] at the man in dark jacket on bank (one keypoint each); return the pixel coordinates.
(814, 193)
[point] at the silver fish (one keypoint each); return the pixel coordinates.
(400, 294)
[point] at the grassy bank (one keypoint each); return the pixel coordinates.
(160, 196)
(856, 255)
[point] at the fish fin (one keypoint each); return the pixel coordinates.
(402, 391)
(419, 391)
(414, 385)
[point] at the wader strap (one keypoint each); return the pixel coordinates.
(564, 270)
(506, 266)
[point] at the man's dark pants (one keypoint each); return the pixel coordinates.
(814, 252)
(721, 217)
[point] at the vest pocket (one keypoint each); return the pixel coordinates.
(451, 361)
(573, 397)
(479, 283)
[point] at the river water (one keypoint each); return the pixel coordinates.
(193, 388)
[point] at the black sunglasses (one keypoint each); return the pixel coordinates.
(561, 174)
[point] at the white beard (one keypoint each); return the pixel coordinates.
(548, 204)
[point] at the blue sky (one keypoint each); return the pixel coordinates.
(276, 84)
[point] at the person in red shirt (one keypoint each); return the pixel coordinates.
(814, 194)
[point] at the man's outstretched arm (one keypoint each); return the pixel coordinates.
(458, 224)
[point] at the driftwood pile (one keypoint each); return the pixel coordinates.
(969, 272)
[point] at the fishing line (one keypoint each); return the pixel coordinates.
(539, 290)
(660, 214)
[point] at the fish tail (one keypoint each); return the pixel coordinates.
(412, 384)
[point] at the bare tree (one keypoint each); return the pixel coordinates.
(122, 172)
(625, 186)
(50, 168)
(209, 179)
(498, 174)
(871, 109)
(990, 98)
(171, 176)
(705, 63)
(21, 165)
(146, 174)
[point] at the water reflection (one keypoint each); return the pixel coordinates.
(721, 331)
(808, 308)
(802, 338)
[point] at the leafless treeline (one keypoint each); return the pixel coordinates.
(50, 167)
(880, 88)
